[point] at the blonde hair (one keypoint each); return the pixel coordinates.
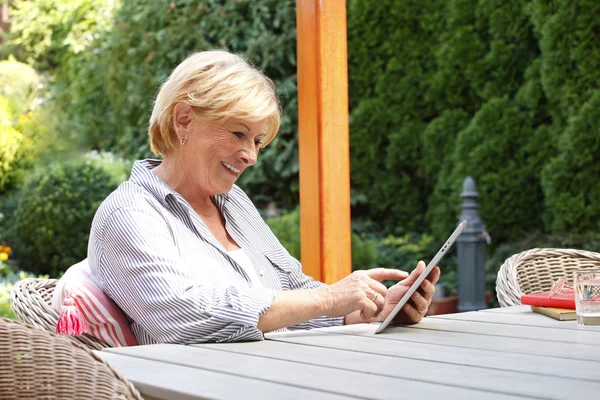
(219, 86)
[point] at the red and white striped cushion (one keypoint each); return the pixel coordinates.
(105, 319)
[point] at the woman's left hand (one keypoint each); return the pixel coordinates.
(418, 305)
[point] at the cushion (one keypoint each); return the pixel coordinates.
(105, 319)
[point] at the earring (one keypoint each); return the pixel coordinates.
(182, 140)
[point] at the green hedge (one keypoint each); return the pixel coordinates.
(56, 208)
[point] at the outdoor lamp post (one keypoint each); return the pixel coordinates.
(471, 252)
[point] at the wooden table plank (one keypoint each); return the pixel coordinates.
(325, 379)
(174, 382)
(529, 318)
(500, 310)
(451, 355)
(410, 334)
(549, 334)
(474, 377)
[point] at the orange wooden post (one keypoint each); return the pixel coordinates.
(323, 139)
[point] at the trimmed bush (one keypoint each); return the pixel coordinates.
(57, 206)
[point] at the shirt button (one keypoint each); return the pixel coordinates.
(209, 308)
(261, 272)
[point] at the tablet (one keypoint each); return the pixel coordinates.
(441, 253)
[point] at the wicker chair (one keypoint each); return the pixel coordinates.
(535, 270)
(30, 301)
(37, 364)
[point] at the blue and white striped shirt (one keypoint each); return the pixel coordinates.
(151, 253)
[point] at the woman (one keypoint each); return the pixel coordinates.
(184, 252)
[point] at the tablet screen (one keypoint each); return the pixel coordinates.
(441, 253)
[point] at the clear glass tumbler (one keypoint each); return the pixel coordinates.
(586, 283)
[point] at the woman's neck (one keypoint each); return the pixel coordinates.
(176, 176)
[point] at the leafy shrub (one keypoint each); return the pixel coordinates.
(287, 229)
(58, 203)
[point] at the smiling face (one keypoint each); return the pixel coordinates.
(214, 155)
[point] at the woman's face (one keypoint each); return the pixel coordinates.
(215, 155)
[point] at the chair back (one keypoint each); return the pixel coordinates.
(535, 270)
(38, 364)
(30, 300)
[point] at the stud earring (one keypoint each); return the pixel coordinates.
(182, 140)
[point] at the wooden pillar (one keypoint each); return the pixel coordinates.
(323, 139)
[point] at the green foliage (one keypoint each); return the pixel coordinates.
(5, 310)
(390, 51)
(494, 149)
(287, 229)
(571, 179)
(44, 32)
(404, 252)
(55, 212)
(418, 73)
(11, 143)
(18, 86)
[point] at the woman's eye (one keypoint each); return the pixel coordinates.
(258, 142)
(239, 135)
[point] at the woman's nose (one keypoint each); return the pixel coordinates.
(248, 157)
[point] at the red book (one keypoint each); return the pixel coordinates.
(543, 300)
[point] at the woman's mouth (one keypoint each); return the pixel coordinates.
(232, 170)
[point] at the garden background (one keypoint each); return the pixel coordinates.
(505, 91)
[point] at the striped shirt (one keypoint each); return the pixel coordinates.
(154, 257)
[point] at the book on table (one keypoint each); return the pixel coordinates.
(561, 314)
(543, 299)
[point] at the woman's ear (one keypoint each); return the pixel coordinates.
(182, 117)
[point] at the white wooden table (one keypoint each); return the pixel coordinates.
(509, 353)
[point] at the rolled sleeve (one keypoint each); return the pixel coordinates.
(142, 271)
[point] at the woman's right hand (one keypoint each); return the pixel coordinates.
(362, 290)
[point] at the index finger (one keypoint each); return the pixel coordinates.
(384, 274)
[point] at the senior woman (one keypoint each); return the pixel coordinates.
(183, 251)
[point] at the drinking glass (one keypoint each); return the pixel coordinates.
(586, 284)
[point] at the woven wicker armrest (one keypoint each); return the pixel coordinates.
(38, 364)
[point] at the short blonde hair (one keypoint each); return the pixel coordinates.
(219, 86)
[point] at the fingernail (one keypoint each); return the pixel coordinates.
(422, 262)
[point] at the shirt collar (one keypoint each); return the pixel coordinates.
(141, 174)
